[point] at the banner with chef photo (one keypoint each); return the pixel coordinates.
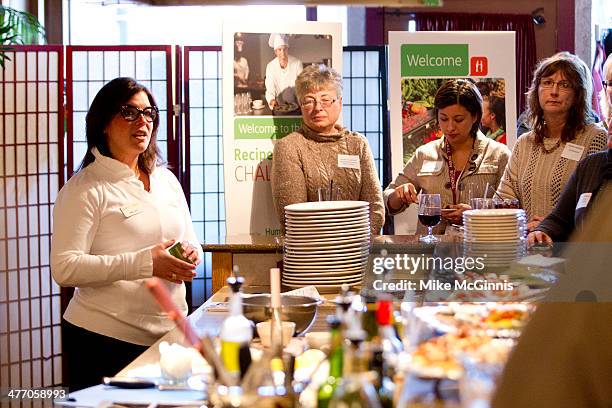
(419, 63)
(261, 61)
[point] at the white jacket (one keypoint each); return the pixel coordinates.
(280, 82)
(104, 225)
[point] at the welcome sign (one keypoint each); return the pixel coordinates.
(435, 60)
(252, 122)
(419, 62)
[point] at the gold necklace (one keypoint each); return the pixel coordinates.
(552, 149)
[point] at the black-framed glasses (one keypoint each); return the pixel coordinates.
(326, 101)
(132, 113)
(606, 84)
(549, 83)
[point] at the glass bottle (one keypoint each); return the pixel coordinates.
(385, 388)
(368, 317)
(392, 345)
(236, 334)
(356, 390)
(336, 358)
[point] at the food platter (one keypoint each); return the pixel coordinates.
(285, 108)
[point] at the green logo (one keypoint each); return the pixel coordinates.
(265, 128)
(445, 60)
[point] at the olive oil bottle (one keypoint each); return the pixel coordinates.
(236, 334)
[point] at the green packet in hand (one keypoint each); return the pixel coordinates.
(176, 250)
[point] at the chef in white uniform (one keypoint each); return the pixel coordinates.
(281, 73)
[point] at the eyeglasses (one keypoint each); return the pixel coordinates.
(606, 84)
(326, 102)
(549, 83)
(132, 113)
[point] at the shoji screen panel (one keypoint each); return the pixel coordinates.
(88, 68)
(204, 152)
(364, 101)
(31, 173)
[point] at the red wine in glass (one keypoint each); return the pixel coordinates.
(429, 220)
(430, 215)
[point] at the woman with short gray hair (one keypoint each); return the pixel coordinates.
(323, 152)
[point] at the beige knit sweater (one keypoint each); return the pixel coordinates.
(537, 178)
(304, 160)
(485, 167)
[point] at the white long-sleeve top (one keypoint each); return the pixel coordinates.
(280, 82)
(104, 225)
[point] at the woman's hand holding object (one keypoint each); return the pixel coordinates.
(166, 266)
(405, 194)
(454, 213)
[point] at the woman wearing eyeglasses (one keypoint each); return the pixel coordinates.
(593, 176)
(544, 158)
(112, 224)
(322, 153)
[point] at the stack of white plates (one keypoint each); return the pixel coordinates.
(496, 235)
(327, 244)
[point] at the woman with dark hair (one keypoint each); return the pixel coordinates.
(494, 118)
(544, 158)
(112, 224)
(592, 177)
(446, 166)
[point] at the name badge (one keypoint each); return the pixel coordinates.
(431, 166)
(349, 161)
(584, 199)
(572, 152)
(130, 210)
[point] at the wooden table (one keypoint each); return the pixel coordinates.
(223, 249)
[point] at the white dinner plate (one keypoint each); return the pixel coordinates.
(498, 238)
(344, 238)
(318, 281)
(328, 226)
(328, 218)
(350, 257)
(315, 280)
(330, 262)
(341, 252)
(498, 212)
(326, 206)
(339, 243)
(311, 267)
(495, 223)
(317, 274)
(298, 214)
(324, 229)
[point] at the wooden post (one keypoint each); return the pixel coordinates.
(222, 263)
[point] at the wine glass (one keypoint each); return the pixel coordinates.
(429, 215)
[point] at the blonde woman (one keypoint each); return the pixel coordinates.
(310, 158)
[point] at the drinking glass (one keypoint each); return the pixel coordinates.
(470, 190)
(429, 214)
(323, 194)
(481, 203)
(329, 194)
